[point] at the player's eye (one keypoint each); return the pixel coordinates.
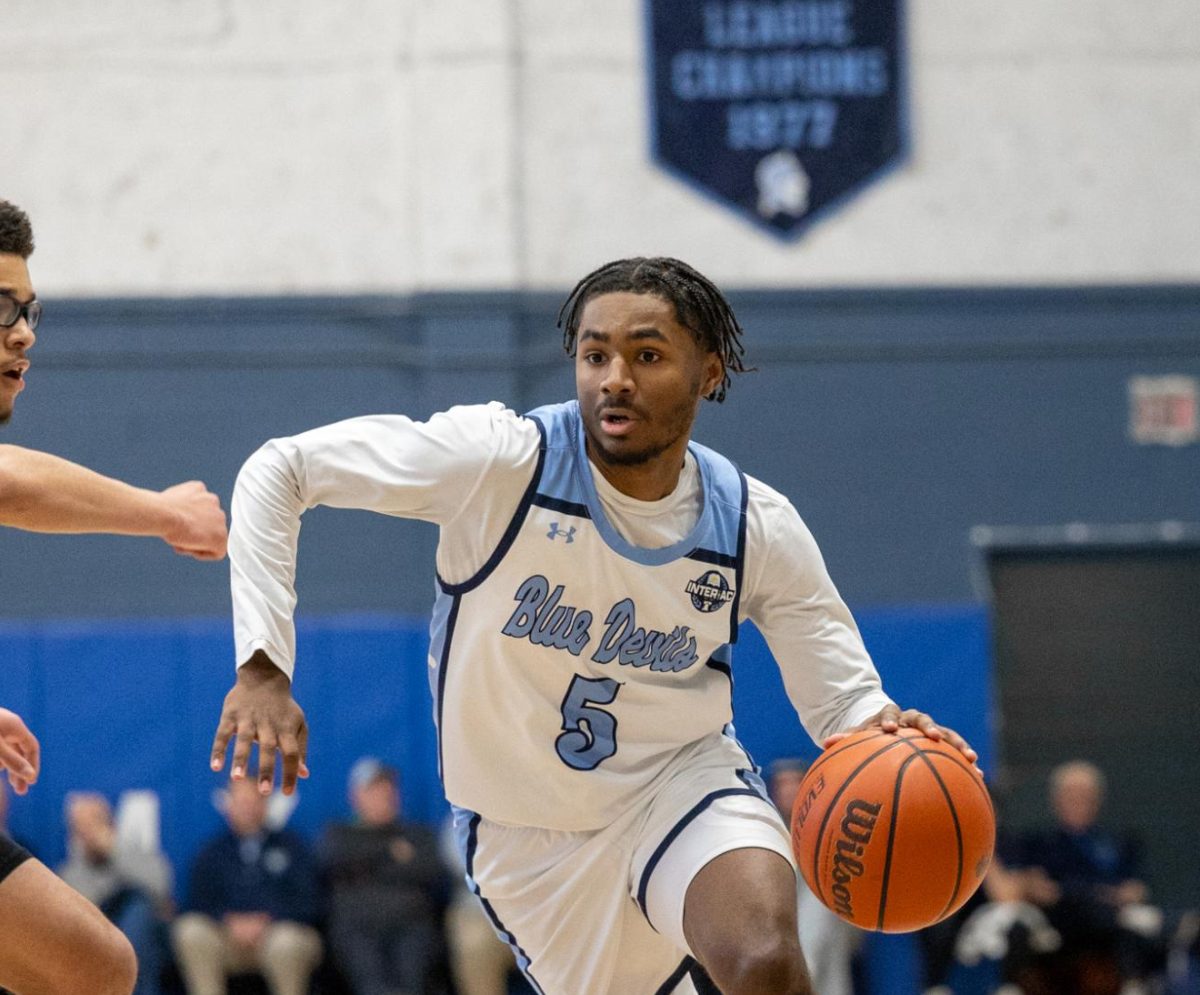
(649, 356)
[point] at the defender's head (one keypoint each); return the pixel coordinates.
(19, 307)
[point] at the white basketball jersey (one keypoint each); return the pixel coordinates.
(573, 666)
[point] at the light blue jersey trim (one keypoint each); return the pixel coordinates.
(566, 479)
(615, 541)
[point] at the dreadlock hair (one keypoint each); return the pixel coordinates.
(699, 306)
(16, 233)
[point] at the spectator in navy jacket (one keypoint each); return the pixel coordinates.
(1089, 880)
(389, 889)
(253, 904)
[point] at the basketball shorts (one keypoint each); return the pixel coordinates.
(601, 912)
(12, 855)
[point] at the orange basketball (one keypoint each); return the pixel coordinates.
(893, 831)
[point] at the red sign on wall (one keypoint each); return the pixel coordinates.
(1163, 410)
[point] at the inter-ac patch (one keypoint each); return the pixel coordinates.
(709, 591)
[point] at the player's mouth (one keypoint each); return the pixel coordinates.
(617, 422)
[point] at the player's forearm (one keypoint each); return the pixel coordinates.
(45, 493)
(263, 539)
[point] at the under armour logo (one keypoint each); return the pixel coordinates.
(555, 532)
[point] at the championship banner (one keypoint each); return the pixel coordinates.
(781, 109)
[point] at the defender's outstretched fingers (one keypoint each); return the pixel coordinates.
(21, 773)
(14, 759)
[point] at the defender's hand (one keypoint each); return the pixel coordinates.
(260, 709)
(20, 754)
(199, 528)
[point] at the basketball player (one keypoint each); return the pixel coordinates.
(52, 939)
(592, 569)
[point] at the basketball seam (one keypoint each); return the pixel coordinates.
(841, 747)
(887, 853)
(957, 758)
(917, 752)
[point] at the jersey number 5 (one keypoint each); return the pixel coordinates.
(589, 733)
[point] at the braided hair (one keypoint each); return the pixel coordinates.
(699, 306)
(16, 234)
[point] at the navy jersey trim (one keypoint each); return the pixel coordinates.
(472, 843)
(716, 559)
(740, 568)
(443, 665)
(721, 665)
(523, 960)
(558, 504)
(514, 526)
(679, 827)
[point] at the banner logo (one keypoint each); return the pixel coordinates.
(779, 109)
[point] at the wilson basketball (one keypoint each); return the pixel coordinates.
(893, 831)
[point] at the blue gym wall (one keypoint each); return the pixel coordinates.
(896, 420)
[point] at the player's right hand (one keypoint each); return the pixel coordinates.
(200, 530)
(20, 754)
(260, 709)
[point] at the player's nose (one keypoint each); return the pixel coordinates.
(618, 377)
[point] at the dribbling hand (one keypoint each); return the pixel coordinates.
(890, 718)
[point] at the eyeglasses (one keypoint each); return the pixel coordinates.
(11, 311)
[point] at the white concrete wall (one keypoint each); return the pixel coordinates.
(267, 146)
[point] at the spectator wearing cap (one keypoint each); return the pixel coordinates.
(253, 904)
(388, 889)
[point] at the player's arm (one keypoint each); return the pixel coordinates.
(788, 594)
(44, 493)
(828, 674)
(387, 464)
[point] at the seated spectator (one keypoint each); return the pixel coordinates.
(388, 889)
(995, 942)
(829, 943)
(1088, 881)
(253, 902)
(128, 879)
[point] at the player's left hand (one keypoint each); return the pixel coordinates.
(890, 718)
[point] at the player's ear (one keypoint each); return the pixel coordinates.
(714, 373)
